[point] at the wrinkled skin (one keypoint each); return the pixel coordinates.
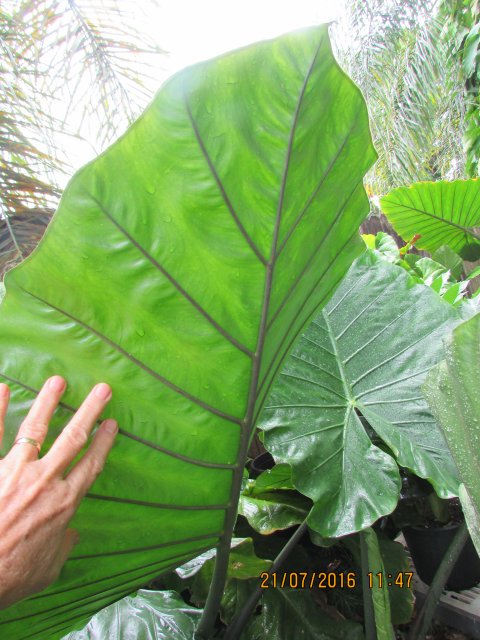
(38, 497)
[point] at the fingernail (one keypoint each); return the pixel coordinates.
(103, 391)
(4, 390)
(57, 383)
(110, 426)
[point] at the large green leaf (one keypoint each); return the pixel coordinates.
(368, 352)
(150, 615)
(451, 389)
(292, 613)
(442, 213)
(180, 267)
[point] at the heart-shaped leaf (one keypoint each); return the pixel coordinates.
(368, 352)
(180, 268)
(442, 213)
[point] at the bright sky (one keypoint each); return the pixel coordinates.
(193, 31)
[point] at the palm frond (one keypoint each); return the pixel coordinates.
(70, 70)
(398, 55)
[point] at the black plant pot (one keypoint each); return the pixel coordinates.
(261, 463)
(428, 546)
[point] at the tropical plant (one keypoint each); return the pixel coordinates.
(451, 389)
(443, 274)
(360, 358)
(62, 61)
(161, 615)
(180, 267)
(438, 213)
(398, 53)
(462, 18)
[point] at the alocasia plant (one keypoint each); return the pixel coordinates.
(366, 353)
(441, 213)
(180, 267)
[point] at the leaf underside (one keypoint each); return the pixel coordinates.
(180, 267)
(442, 213)
(366, 353)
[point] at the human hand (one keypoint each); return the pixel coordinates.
(37, 499)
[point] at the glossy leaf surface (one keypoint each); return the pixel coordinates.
(271, 511)
(451, 389)
(179, 268)
(368, 352)
(442, 213)
(150, 615)
(292, 613)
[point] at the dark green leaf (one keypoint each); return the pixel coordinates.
(150, 615)
(292, 613)
(397, 563)
(243, 564)
(361, 354)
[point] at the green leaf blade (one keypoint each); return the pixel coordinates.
(451, 389)
(442, 213)
(360, 354)
(172, 271)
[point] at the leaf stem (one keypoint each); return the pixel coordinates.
(217, 586)
(368, 610)
(240, 620)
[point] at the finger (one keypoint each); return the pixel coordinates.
(4, 398)
(35, 425)
(84, 473)
(75, 435)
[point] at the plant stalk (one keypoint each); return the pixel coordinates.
(240, 620)
(217, 586)
(424, 618)
(368, 609)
